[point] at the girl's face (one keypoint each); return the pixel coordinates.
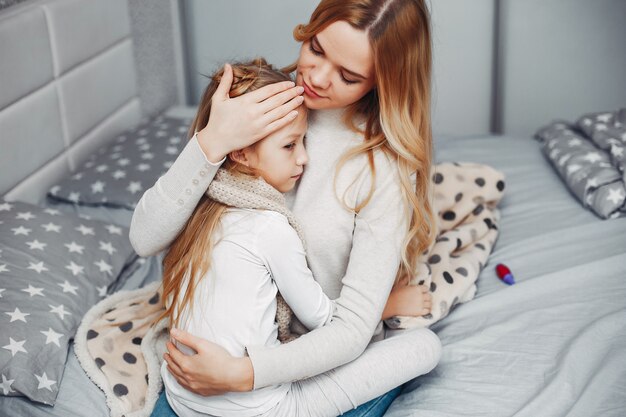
(280, 157)
(335, 67)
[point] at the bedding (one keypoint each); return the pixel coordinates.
(53, 268)
(118, 174)
(126, 364)
(118, 216)
(78, 396)
(589, 156)
(465, 199)
(552, 344)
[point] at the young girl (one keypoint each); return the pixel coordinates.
(365, 70)
(223, 271)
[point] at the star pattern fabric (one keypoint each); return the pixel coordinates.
(53, 268)
(117, 175)
(589, 157)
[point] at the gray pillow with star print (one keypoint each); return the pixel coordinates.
(590, 158)
(53, 268)
(119, 172)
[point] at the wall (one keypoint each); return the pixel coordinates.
(559, 59)
(463, 66)
(223, 31)
(6, 3)
(155, 59)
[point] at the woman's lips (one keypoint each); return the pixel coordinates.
(309, 92)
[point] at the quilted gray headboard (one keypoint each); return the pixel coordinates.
(67, 83)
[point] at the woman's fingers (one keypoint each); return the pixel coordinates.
(175, 369)
(281, 116)
(282, 110)
(277, 124)
(268, 91)
(281, 98)
(186, 339)
(177, 359)
(175, 355)
(223, 89)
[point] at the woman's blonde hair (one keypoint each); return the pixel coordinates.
(397, 110)
(189, 256)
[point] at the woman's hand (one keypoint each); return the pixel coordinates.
(408, 300)
(212, 371)
(238, 122)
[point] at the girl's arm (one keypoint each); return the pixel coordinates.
(234, 124)
(284, 255)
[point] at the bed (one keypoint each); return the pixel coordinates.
(552, 344)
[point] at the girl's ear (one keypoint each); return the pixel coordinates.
(240, 157)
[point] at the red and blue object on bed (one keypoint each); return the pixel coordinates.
(504, 273)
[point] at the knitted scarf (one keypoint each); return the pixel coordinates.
(242, 191)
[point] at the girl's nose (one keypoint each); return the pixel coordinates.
(303, 157)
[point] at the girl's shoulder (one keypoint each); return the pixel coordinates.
(274, 233)
(255, 221)
(259, 229)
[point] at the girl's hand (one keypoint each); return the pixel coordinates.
(212, 371)
(236, 123)
(408, 300)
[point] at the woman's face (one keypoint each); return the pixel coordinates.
(335, 67)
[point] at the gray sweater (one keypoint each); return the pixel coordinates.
(354, 257)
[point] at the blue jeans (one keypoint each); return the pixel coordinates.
(374, 408)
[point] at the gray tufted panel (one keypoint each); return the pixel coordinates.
(68, 84)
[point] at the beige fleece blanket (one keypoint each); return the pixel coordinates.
(465, 200)
(121, 351)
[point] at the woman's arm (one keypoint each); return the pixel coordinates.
(234, 124)
(165, 207)
(379, 231)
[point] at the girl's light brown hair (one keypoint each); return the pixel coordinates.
(189, 256)
(397, 111)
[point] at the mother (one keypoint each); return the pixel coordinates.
(364, 68)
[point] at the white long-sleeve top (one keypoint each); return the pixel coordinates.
(354, 257)
(234, 305)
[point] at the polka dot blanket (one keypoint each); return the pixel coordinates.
(121, 350)
(465, 199)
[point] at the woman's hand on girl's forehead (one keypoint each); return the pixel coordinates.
(236, 123)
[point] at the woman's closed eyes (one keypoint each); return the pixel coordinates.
(318, 52)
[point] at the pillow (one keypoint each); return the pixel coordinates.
(590, 159)
(118, 173)
(53, 268)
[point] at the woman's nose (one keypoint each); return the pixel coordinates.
(320, 76)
